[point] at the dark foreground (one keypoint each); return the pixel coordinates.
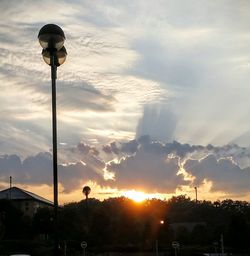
(121, 227)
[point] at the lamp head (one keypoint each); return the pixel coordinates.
(51, 36)
(59, 56)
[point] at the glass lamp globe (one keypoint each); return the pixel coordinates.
(51, 36)
(60, 56)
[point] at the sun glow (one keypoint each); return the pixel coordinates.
(137, 196)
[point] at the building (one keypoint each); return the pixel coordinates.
(26, 201)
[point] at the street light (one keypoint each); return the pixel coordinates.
(86, 191)
(60, 56)
(51, 38)
(161, 222)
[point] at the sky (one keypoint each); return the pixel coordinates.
(153, 98)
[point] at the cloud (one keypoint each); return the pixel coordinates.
(130, 147)
(91, 85)
(202, 62)
(158, 122)
(153, 166)
(149, 168)
(86, 149)
(111, 148)
(146, 172)
(225, 175)
(79, 96)
(37, 170)
(32, 170)
(26, 112)
(74, 175)
(141, 164)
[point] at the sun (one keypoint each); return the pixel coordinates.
(136, 196)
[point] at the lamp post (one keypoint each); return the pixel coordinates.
(86, 191)
(51, 38)
(161, 222)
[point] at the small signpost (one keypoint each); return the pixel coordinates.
(176, 246)
(84, 246)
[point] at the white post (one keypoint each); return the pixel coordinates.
(175, 251)
(156, 248)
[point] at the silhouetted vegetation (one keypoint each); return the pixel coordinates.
(120, 224)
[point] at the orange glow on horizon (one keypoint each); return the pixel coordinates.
(101, 193)
(136, 196)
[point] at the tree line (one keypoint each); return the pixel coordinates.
(120, 224)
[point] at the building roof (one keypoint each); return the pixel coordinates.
(16, 193)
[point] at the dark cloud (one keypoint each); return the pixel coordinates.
(72, 176)
(145, 164)
(107, 149)
(225, 175)
(10, 162)
(130, 147)
(37, 169)
(147, 171)
(32, 170)
(86, 149)
(178, 149)
(157, 147)
(111, 148)
(153, 165)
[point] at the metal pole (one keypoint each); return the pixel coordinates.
(54, 138)
(196, 200)
(10, 186)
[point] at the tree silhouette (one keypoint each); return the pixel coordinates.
(120, 224)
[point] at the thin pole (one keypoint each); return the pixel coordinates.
(10, 186)
(54, 138)
(156, 247)
(196, 200)
(175, 251)
(222, 244)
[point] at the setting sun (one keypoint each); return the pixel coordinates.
(137, 196)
